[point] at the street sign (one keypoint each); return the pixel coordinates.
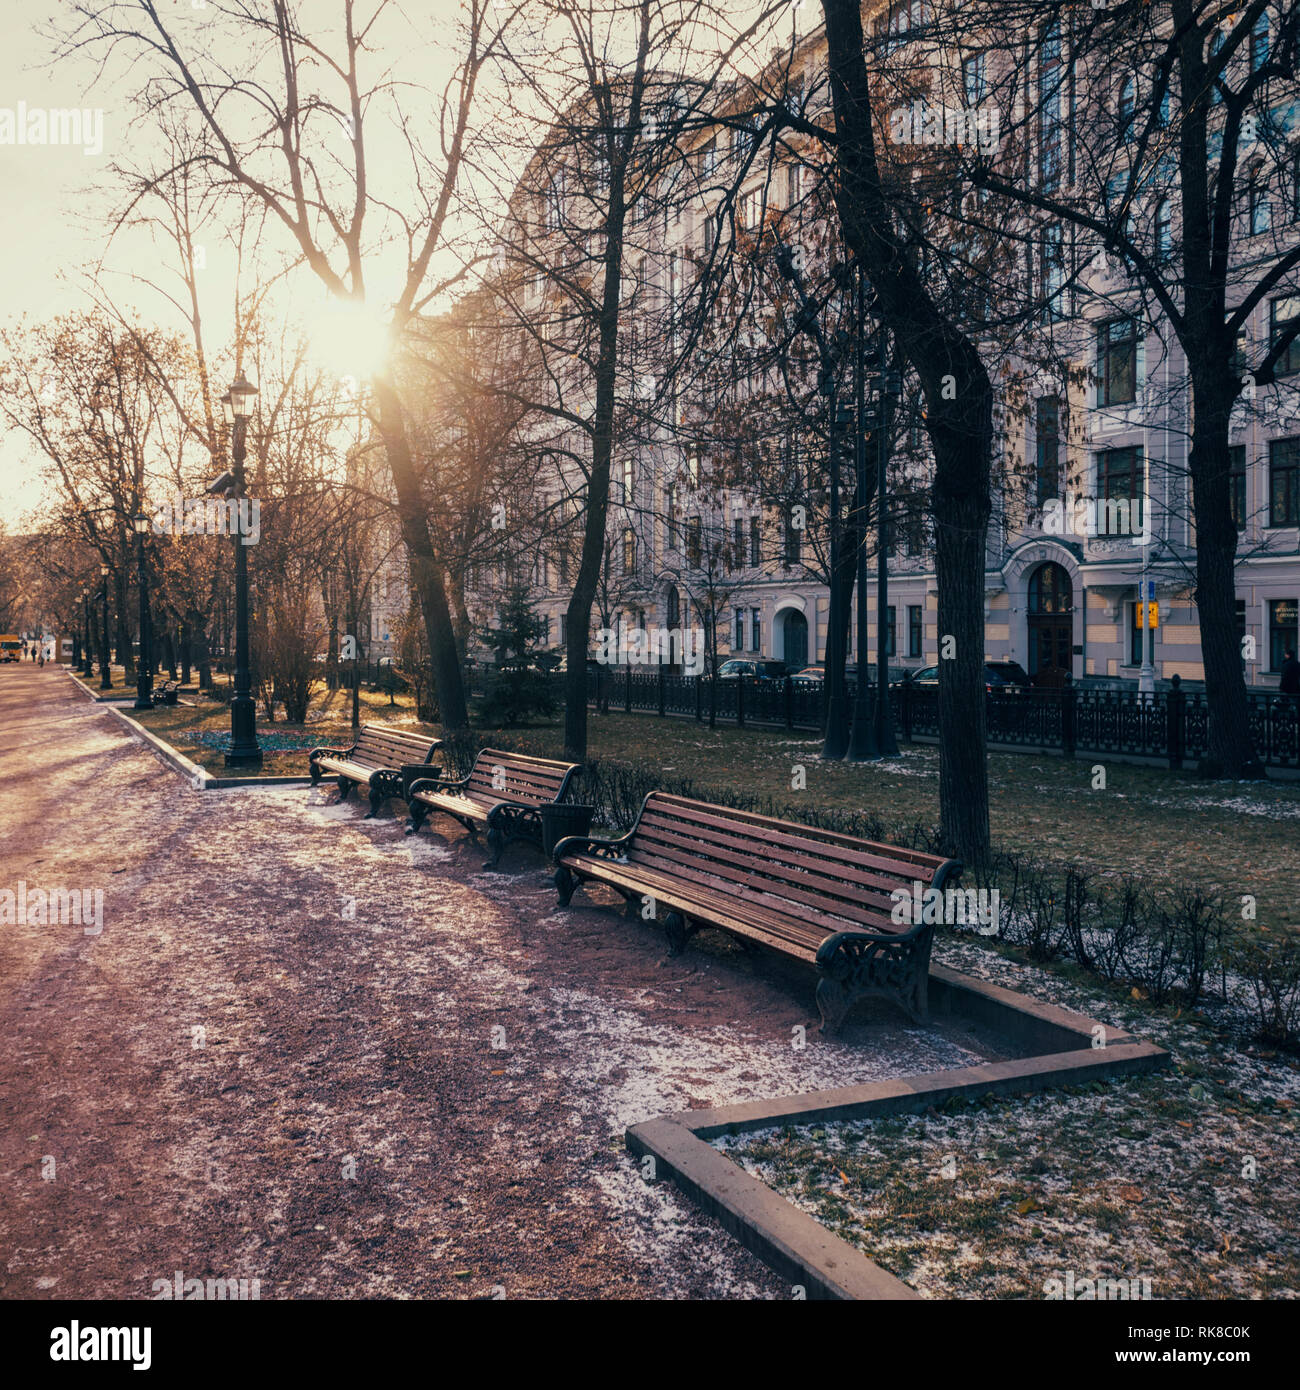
(1153, 616)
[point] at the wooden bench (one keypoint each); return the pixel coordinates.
(167, 693)
(384, 760)
(503, 792)
(818, 896)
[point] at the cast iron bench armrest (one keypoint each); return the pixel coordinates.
(436, 784)
(826, 951)
(317, 753)
(578, 844)
(411, 773)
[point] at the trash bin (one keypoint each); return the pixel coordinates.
(564, 819)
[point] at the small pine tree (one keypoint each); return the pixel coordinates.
(516, 687)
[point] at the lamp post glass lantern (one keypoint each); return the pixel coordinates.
(105, 677)
(237, 406)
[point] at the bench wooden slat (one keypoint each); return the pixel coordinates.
(817, 895)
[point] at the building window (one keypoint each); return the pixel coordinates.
(1164, 230)
(739, 644)
(915, 629)
(626, 483)
(891, 630)
(1052, 271)
(1281, 630)
(629, 550)
(1259, 43)
(1261, 207)
(1237, 484)
(670, 517)
(793, 542)
(1283, 314)
(564, 629)
(693, 465)
(1119, 473)
(694, 546)
(755, 630)
(1127, 109)
(755, 541)
(1047, 462)
(973, 78)
(1117, 362)
(1241, 628)
(1283, 477)
(1050, 71)
(1135, 634)
(737, 541)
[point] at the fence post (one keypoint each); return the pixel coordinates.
(662, 690)
(627, 689)
(1175, 722)
(905, 703)
(740, 702)
(1068, 711)
(789, 702)
(699, 698)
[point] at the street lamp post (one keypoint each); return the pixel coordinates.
(144, 668)
(862, 744)
(886, 742)
(105, 678)
(244, 750)
(84, 666)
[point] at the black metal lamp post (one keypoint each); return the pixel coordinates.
(889, 389)
(862, 744)
(84, 665)
(105, 677)
(143, 668)
(244, 751)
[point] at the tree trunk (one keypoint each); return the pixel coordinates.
(125, 656)
(426, 570)
(1232, 751)
(959, 409)
(185, 651)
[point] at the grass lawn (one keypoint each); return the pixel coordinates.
(1240, 838)
(1188, 1178)
(201, 730)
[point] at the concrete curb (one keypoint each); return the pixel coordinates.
(1069, 1050)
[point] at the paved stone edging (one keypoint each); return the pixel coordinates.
(790, 1241)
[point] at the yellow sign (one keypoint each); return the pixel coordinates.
(1153, 616)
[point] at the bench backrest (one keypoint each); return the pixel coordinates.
(378, 746)
(499, 776)
(811, 873)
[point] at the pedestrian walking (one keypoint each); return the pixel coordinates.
(1290, 681)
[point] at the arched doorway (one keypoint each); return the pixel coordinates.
(673, 604)
(794, 629)
(1051, 625)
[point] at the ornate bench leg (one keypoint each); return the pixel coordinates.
(833, 1003)
(377, 799)
(314, 769)
(345, 788)
(496, 843)
(677, 932)
(418, 813)
(565, 883)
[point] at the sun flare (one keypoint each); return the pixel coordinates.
(349, 339)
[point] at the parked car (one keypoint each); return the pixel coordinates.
(764, 670)
(998, 675)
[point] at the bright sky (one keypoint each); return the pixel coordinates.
(60, 199)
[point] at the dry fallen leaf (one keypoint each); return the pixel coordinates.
(1131, 1193)
(1028, 1205)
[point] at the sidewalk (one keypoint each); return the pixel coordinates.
(283, 995)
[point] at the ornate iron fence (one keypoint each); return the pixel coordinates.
(1170, 725)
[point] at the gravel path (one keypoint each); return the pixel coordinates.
(308, 1050)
